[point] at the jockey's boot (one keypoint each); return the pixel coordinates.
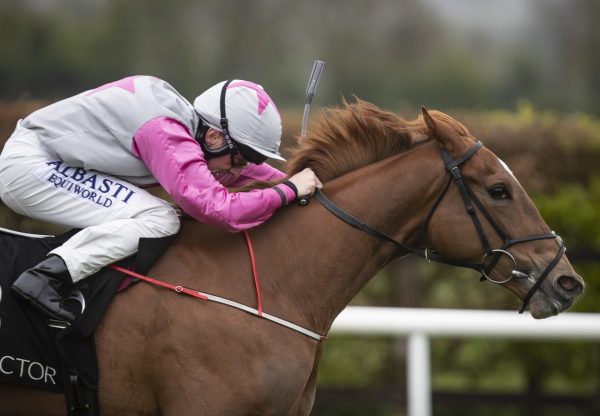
(40, 287)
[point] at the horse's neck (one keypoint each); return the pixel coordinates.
(310, 263)
(326, 261)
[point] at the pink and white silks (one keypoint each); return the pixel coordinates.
(72, 164)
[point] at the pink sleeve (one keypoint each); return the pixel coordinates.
(262, 172)
(177, 162)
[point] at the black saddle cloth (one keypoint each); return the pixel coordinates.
(58, 360)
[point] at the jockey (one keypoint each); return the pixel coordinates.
(83, 162)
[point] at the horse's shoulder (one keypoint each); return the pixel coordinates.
(200, 232)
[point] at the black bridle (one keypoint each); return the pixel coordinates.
(470, 201)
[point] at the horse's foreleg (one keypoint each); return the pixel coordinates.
(304, 404)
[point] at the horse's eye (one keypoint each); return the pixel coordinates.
(499, 192)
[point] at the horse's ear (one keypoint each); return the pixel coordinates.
(444, 134)
(429, 121)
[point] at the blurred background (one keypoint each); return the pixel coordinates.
(522, 75)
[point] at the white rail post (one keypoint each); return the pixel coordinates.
(418, 375)
(418, 324)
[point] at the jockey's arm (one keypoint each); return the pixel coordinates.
(252, 172)
(177, 162)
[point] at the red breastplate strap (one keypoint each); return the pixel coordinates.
(205, 296)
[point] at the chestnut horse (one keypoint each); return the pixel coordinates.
(161, 353)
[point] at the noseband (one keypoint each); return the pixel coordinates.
(490, 257)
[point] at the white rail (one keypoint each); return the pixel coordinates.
(421, 324)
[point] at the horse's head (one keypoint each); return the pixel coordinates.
(504, 230)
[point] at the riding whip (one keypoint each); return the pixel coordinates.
(311, 88)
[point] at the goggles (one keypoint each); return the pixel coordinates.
(230, 146)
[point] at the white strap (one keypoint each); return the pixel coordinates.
(21, 234)
(271, 318)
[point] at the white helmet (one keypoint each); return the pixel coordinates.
(251, 117)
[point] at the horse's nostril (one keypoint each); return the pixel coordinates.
(570, 284)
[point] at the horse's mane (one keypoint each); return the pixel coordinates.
(351, 136)
(354, 135)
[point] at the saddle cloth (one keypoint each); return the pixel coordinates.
(36, 355)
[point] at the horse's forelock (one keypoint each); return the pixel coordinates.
(351, 136)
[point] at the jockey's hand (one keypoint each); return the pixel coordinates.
(306, 181)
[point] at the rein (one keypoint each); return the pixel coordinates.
(206, 296)
(470, 201)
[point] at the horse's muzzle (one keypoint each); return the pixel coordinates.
(570, 285)
(568, 289)
(559, 294)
